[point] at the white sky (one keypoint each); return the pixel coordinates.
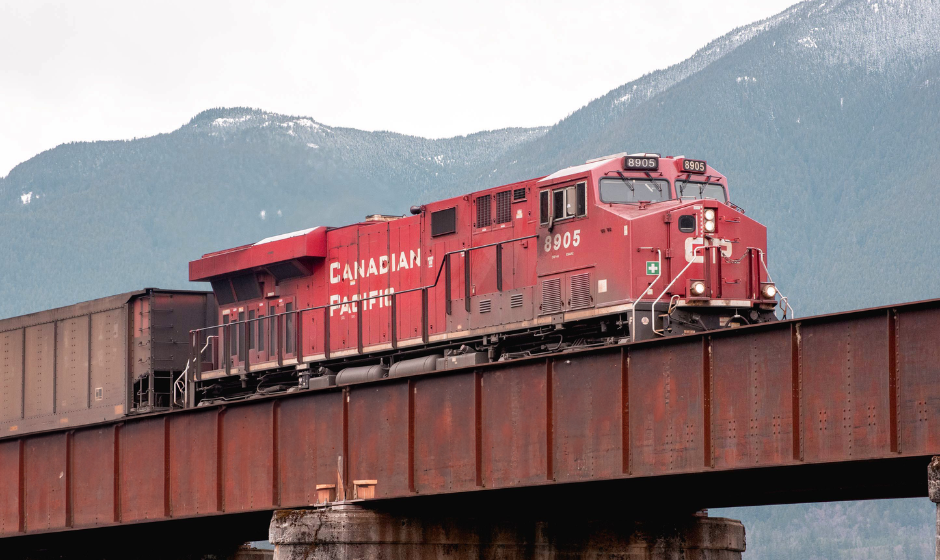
(100, 70)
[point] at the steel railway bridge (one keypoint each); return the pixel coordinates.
(843, 406)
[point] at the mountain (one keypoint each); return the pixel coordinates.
(824, 117)
(85, 220)
(825, 120)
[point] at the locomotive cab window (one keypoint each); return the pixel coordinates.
(627, 190)
(563, 203)
(687, 223)
(699, 191)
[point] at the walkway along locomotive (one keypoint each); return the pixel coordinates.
(623, 248)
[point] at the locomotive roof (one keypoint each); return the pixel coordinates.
(311, 243)
(297, 245)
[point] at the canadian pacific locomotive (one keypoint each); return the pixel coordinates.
(623, 248)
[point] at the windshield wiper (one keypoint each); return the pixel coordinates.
(624, 179)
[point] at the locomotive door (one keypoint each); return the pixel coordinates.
(285, 325)
(564, 267)
(447, 232)
(257, 329)
(404, 241)
(343, 288)
(374, 321)
(231, 346)
(491, 268)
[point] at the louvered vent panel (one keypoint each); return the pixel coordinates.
(486, 305)
(518, 194)
(515, 301)
(580, 291)
(503, 207)
(551, 296)
(484, 209)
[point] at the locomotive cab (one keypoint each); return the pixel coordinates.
(655, 238)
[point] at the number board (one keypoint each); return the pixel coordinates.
(693, 165)
(633, 163)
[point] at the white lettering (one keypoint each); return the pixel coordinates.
(334, 299)
(396, 261)
(334, 279)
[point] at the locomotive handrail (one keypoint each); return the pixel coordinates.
(666, 289)
(445, 262)
(783, 299)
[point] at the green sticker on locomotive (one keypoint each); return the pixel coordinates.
(652, 267)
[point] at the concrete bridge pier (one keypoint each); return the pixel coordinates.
(347, 531)
(933, 490)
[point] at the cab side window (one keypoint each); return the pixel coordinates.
(562, 203)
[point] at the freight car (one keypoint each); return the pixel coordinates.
(622, 248)
(98, 360)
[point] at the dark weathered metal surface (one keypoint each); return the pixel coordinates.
(856, 388)
(193, 457)
(752, 418)
(93, 490)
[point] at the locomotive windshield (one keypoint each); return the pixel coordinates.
(626, 190)
(693, 189)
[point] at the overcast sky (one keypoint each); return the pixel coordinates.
(101, 70)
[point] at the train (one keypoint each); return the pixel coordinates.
(620, 249)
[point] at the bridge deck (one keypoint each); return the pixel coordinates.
(831, 389)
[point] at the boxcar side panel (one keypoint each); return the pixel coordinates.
(11, 375)
(40, 370)
(108, 360)
(72, 365)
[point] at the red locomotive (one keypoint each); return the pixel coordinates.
(622, 248)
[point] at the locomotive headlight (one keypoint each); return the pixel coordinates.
(768, 290)
(709, 225)
(698, 288)
(710, 214)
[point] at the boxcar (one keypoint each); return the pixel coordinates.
(97, 360)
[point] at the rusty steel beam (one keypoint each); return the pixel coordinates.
(827, 390)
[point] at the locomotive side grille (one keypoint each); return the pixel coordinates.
(444, 222)
(515, 301)
(484, 209)
(503, 207)
(486, 305)
(518, 194)
(580, 291)
(551, 296)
